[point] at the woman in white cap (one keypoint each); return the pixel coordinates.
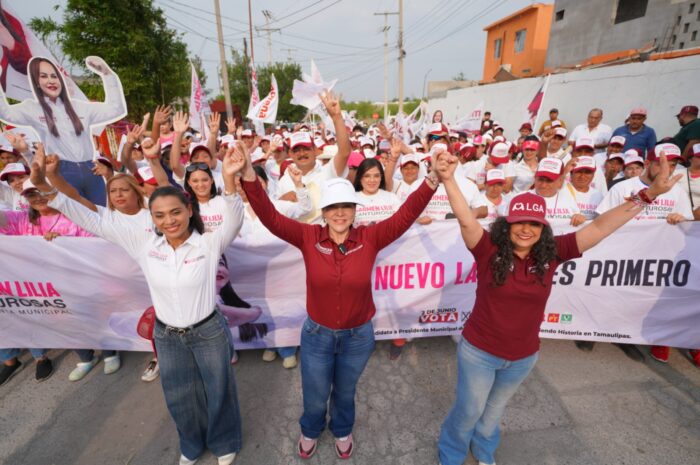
(516, 262)
(13, 176)
(337, 339)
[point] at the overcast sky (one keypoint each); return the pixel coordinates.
(442, 37)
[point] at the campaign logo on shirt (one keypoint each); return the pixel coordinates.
(552, 318)
(187, 261)
(157, 255)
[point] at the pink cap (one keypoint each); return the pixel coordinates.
(549, 167)
(531, 145)
(355, 159)
(478, 140)
(560, 131)
(638, 111)
(499, 153)
(671, 150)
(13, 168)
(585, 141)
(527, 207)
(584, 163)
(617, 140)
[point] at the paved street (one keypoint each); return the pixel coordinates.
(596, 408)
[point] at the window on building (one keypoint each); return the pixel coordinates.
(497, 44)
(691, 8)
(694, 35)
(686, 26)
(678, 21)
(673, 39)
(681, 45)
(520, 40)
(628, 10)
(559, 15)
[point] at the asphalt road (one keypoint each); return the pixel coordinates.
(594, 408)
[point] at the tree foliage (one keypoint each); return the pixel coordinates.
(132, 36)
(365, 109)
(285, 73)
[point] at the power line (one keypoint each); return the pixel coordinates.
(310, 15)
(315, 2)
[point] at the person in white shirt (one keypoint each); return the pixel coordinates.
(691, 181)
(552, 144)
(493, 196)
(562, 210)
(11, 179)
(633, 167)
(599, 132)
(583, 147)
(526, 168)
(370, 184)
(179, 261)
(63, 124)
(587, 198)
(498, 158)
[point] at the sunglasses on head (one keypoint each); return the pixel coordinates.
(192, 167)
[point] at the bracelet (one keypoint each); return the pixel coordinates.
(637, 201)
(49, 193)
(644, 196)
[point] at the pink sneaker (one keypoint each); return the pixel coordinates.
(344, 447)
(306, 447)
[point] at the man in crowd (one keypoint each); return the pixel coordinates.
(689, 134)
(553, 116)
(594, 128)
(637, 134)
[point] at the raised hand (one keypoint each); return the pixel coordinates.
(214, 123)
(162, 114)
(663, 181)
(547, 135)
(37, 175)
(98, 65)
(51, 164)
(17, 141)
(295, 174)
(231, 126)
(134, 134)
(100, 169)
(444, 165)
(151, 149)
(384, 131)
(181, 121)
(395, 151)
(234, 161)
(332, 103)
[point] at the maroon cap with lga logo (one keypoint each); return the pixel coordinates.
(690, 109)
(527, 207)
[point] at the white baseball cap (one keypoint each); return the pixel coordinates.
(499, 152)
(549, 167)
(584, 141)
(631, 156)
(247, 133)
(13, 168)
(617, 140)
(495, 176)
(560, 131)
(671, 150)
(329, 151)
(409, 158)
(338, 190)
(300, 138)
(27, 186)
(228, 140)
(584, 163)
(364, 140)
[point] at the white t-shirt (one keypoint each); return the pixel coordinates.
(691, 185)
(377, 207)
(524, 177)
(402, 189)
(587, 201)
(212, 213)
(476, 171)
(253, 227)
(674, 201)
(600, 134)
(141, 220)
(10, 199)
(560, 208)
(561, 154)
(494, 210)
(313, 180)
(439, 205)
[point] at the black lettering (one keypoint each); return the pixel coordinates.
(567, 273)
(594, 268)
(609, 270)
(663, 272)
(12, 302)
(25, 302)
(621, 272)
(681, 272)
(633, 276)
(58, 303)
(648, 273)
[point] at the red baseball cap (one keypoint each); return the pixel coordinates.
(527, 207)
(671, 150)
(499, 153)
(531, 145)
(691, 109)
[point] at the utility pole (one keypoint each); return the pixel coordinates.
(402, 54)
(222, 57)
(386, 60)
(289, 52)
(250, 29)
(269, 30)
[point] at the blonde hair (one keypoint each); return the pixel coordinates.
(133, 183)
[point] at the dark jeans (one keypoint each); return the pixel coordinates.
(199, 387)
(79, 175)
(87, 354)
(331, 364)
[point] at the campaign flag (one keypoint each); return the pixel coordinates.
(471, 122)
(254, 95)
(533, 109)
(305, 92)
(199, 107)
(266, 109)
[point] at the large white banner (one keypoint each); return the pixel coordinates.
(641, 285)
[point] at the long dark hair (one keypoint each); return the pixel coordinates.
(196, 223)
(366, 165)
(212, 191)
(34, 64)
(543, 252)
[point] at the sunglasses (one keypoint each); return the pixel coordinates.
(192, 167)
(434, 137)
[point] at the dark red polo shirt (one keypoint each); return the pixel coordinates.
(505, 321)
(338, 286)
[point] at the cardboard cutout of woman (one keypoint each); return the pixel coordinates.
(63, 124)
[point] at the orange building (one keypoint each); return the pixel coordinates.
(518, 43)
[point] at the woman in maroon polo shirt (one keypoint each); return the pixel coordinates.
(337, 339)
(515, 262)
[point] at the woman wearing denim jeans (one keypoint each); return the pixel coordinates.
(515, 262)
(179, 261)
(337, 339)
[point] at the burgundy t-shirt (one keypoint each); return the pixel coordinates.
(506, 319)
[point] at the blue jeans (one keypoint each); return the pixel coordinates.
(86, 355)
(485, 383)
(79, 175)
(8, 354)
(285, 352)
(199, 387)
(331, 364)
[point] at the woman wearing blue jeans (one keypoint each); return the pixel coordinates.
(515, 262)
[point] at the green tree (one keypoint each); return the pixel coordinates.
(285, 73)
(133, 38)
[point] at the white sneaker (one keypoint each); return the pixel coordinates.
(185, 461)
(269, 355)
(483, 463)
(456, 337)
(82, 369)
(227, 459)
(289, 362)
(151, 372)
(112, 364)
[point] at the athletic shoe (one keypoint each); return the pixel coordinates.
(112, 364)
(82, 369)
(695, 355)
(151, 372)
(660, 353)
(586, 346)
(8, 371)
(484, 463)
(395, 352)
(185, 461)
(44, 369)
(227, 459)
(306, 447)
(269, 355)
(631, 351)
(234, 359)
(289, 362)
(344, 447)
